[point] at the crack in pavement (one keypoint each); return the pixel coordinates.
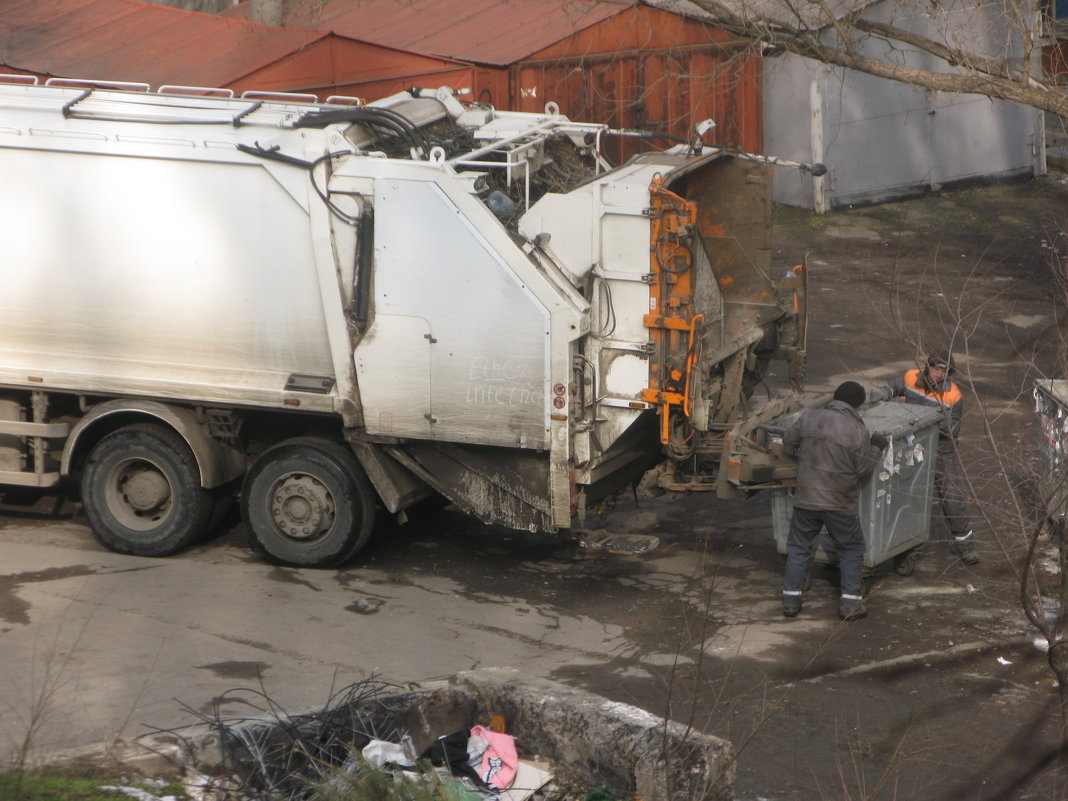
(910, 660)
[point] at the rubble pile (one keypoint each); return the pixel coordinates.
(343, 752)
(485, 735)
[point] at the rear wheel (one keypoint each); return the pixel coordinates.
(307, 503)
(141, 492)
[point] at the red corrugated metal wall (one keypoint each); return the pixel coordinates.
(1055, 61)
(343, 66)
(651, 70)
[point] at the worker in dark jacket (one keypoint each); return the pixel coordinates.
(835, 452)
(934, 386)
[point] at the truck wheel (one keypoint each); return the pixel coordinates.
(307, 503)
(141, 492)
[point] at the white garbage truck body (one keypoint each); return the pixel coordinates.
(315, 307)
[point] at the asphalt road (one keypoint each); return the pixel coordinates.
(100, 647)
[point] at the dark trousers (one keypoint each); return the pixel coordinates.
(801, 544)
(948, 492)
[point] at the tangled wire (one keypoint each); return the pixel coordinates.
(272, 754)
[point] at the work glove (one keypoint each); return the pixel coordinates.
(879, 441)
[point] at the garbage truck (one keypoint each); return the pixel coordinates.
(334, 311)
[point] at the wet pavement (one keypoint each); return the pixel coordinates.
(941, 693)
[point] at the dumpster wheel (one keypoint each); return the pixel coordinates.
(905, 562)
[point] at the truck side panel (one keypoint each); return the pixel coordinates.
(161, 273)
(459, 348)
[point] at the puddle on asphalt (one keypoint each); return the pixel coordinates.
(761, 641)
(236, 669)
(286, 575)
(14, 609)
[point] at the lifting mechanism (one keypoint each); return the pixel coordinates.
(672, 323)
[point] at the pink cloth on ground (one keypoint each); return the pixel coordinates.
(499, 761)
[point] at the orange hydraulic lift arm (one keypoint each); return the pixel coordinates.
(672, 321)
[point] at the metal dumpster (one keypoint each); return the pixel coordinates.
(895, 500)
(1051, 406)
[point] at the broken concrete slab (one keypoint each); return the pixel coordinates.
(585, 737)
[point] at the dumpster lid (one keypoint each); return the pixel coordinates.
(897, 419)
(891, 418)
(1056, 388)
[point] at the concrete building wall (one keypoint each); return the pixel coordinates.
(883, 140)
(788, 123)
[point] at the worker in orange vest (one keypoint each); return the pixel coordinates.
(934, 386)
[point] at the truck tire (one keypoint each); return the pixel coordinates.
(307, 503)
(141, 492)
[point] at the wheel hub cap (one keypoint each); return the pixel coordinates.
(146, 489)
(302, 507)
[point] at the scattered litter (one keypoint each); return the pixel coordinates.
(1003, 661)
(970, 588)
(1041, 643)
(529, 779)
(888, 461)
(339, 752)
(379, 752)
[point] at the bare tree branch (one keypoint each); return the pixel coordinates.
(953, 56)
(973, 72)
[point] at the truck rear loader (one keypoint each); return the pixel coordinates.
(335, 311)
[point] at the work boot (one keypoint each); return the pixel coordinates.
(791, 604)
(963, 547)
(851, 608)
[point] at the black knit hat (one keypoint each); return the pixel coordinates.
(852, 393)
(943, 359)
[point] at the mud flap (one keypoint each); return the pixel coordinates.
(500, 486)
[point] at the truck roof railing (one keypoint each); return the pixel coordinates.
(345, 100)
(173, 104)
(76, 83)
(181, 89)
(89, 105)
(29, 80)
(285, 97)
(177, 89)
